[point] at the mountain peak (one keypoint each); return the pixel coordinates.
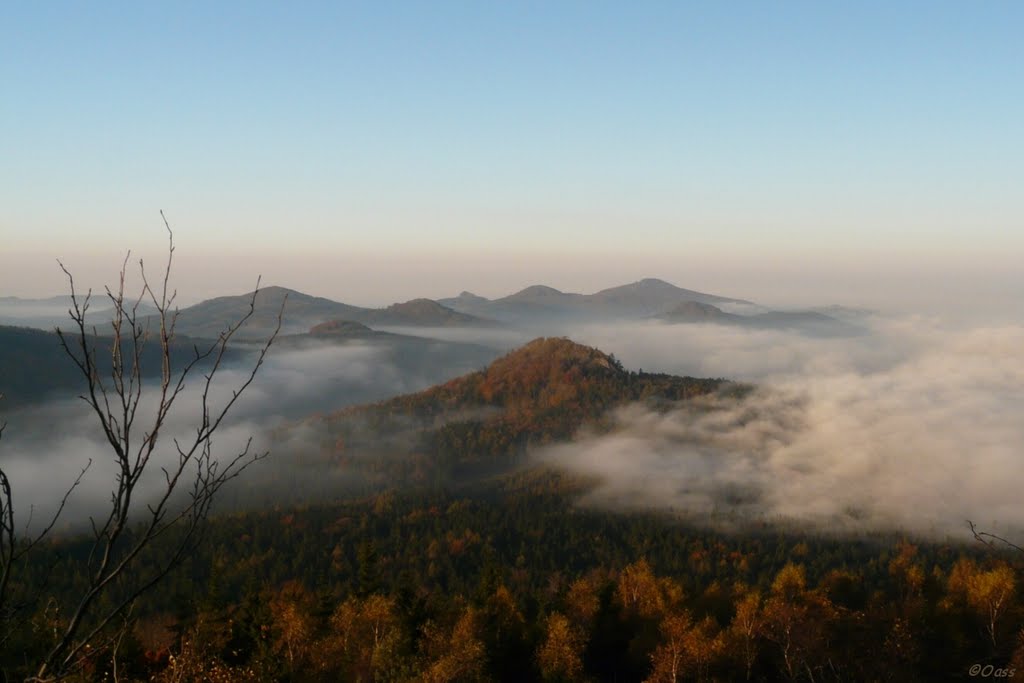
(420, 312)
(654, 282)
(549, 369)
(275, 294)
(538, 290)
(651, 295)
(276, 291)
(558, 350)
(417, 306)
(649, 285)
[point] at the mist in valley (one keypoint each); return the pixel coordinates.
(45, 446)
(912, 424)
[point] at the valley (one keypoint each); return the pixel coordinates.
(558, 514)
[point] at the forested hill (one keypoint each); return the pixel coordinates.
(547, 375)
(540, 393)
(35, 368)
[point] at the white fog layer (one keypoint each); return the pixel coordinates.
(915, 427)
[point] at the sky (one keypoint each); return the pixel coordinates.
(374, 151)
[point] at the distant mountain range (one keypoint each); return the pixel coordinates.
(62, 301)
(536, 305)
(636, 300)
(302, 312)
(533, 304)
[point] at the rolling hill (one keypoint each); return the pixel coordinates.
(34, 367)
(420, 312)
(302, 312)
(540, 303)
(811, 323)
(209, 318)
(487, 421)
(650, 296)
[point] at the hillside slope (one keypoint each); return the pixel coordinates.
(34, 367)
(420, 312)
(488, 420)
(302, 311)
(812, 323)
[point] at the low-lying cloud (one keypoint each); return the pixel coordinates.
(45, 447)
(764, 355)
(915, 427)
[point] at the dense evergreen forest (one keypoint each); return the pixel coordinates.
(453, 557)
(513, 582)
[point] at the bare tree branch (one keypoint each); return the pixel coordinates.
(991, 540)
(191, 481)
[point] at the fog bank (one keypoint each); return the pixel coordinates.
(916, 428)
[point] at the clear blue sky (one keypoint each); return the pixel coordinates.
(489, 145)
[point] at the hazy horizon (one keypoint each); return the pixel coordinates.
(946, 288)
(376, 153)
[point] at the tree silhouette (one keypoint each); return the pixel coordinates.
(192, 477)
